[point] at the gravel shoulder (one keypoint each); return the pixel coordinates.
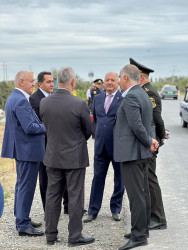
(108, 234)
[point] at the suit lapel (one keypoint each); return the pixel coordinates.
(116, 99)
(103, 96)
(40, 94)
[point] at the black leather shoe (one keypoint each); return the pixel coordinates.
(90, 218)
(155, 225)
(30, 231)
(51, 242)
(82, 241)
(128, 236)
(35, 224)
(131, 244)
(116, 217)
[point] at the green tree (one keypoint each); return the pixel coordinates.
(5, 91)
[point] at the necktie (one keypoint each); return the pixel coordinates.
(108, 102)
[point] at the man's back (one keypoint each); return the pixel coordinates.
(68, 125)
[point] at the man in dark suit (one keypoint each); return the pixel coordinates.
(158, 218)
(133, 142)
(46, 86)
(105, 106)
(24, 141)
(69, 126)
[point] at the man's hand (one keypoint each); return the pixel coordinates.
(154, 145)
(167, 135)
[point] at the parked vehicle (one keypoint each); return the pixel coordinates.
(1, 114)
(169, 91)
(184, 109)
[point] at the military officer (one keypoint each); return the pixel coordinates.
(98, 88)
(158, 219)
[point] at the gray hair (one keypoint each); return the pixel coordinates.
(112, 73)
(132, 72)
(20, 75)
(65, 75)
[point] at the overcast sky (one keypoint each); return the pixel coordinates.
(98, 36)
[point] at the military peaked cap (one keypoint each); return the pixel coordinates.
(98, 81)
(141, 67)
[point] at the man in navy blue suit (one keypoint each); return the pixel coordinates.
(24, 141)
(105, 106)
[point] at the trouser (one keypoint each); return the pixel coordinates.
(24, 192)
(101, 164)
(135, 178)
(57, 179)
(157, 209)
(43, 183)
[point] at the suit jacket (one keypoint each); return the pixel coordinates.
(105, 122)
(68, 123)
(134, 127)
(24, 133)
(35, 101)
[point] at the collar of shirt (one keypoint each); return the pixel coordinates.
(44, 92)
(23, 92)
(113, 94)
(65, 89)
(127, 90)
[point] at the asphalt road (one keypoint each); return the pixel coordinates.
(172, 171)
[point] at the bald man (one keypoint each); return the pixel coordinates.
(24, 141)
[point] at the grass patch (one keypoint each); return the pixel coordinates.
(6, 196)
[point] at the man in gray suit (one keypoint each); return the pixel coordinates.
(133, 143)
(68, 123)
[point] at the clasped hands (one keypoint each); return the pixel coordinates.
(154, 145)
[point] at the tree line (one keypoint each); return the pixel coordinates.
(81, 87)
(7, 87)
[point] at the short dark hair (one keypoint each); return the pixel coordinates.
(41, 75)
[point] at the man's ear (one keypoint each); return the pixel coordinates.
(40, 84)
(73, 83)
(21, 82)
(125, 77)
